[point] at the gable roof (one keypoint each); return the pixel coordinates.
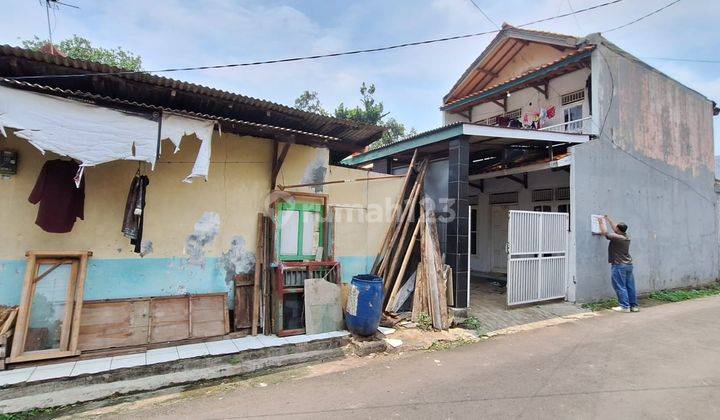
(502, 50)
(164, 92)
(565, 64)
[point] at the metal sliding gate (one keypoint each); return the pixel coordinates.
(537, 256)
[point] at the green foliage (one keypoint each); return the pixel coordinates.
(424, 322)
(309, 101)
(473, 323)
(446, 345)
(29, 414)
(82, 49)
(370, 111)
(679, 295)
(601, 304)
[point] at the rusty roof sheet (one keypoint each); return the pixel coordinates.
(357, 134)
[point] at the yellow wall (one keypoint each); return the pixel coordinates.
(237, 187)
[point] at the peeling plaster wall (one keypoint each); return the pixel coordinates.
(653, 169)
(196, 236)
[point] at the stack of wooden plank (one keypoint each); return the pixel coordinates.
(8, 315)
(411, 240)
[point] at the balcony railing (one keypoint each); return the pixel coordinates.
(581, 125)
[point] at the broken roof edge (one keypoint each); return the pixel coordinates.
(571, 58)
(59, 92)
(373, 132)
(457, 129)
(509, 31)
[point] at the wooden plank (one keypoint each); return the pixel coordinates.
(390, 277)
(114, 324)
(208, 316)
(411, 247)
(169, 319)
(78, 304)
(396, 210)
(23, 312)
(243, 301)
(258, 267)
(9, 321)
(384, 265)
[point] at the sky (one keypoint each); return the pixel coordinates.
(411, 82)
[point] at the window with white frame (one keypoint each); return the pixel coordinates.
(572, 116)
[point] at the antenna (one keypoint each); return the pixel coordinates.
(55, 4)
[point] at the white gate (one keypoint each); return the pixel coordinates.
(537, 256)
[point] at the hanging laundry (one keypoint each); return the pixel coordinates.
(135, 211)
(551, 112)
(61, 202)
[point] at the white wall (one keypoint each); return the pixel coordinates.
(482, 261)
(530, 100)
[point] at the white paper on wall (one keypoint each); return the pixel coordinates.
(88, 133)
(175, 127)
(595, 220)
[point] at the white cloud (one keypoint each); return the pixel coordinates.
(410, 81)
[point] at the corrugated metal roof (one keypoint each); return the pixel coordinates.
(359, 135)
(89, 96)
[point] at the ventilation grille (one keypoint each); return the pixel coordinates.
(563, 193)
(571, 97)
(542, 195)
(504, 198)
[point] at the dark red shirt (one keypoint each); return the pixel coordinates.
(61, 202)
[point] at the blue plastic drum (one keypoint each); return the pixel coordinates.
(364, 304)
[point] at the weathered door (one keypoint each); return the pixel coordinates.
(537, 256)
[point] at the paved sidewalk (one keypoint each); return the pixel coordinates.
(663, 362)
(154, 356)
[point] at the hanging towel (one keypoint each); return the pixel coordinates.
(60, 201)
(135, 211)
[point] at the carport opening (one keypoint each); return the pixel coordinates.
(533, 186)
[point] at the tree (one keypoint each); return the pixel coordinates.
(82, 49)
(310, 102)
(370, 111)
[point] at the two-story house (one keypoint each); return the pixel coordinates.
(543, 131)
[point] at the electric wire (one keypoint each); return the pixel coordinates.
(317, 56)
(642, 17)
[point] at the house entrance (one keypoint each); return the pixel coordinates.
(508, 276)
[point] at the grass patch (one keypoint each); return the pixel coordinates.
(424, 322)
(446, 345)
(685, 294)
(29, 414)
(474, 324)
(601, 305)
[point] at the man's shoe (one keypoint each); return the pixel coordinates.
(635, 309)
(621, 309)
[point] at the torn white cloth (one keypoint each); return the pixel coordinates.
(175, 127)
(88, 133)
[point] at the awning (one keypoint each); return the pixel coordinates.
(481, 137)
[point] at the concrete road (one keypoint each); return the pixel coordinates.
(663, 362)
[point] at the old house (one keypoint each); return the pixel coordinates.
(544, 130)
(213, 217)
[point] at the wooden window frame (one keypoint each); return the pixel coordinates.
(302, 208)
(71, 323)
